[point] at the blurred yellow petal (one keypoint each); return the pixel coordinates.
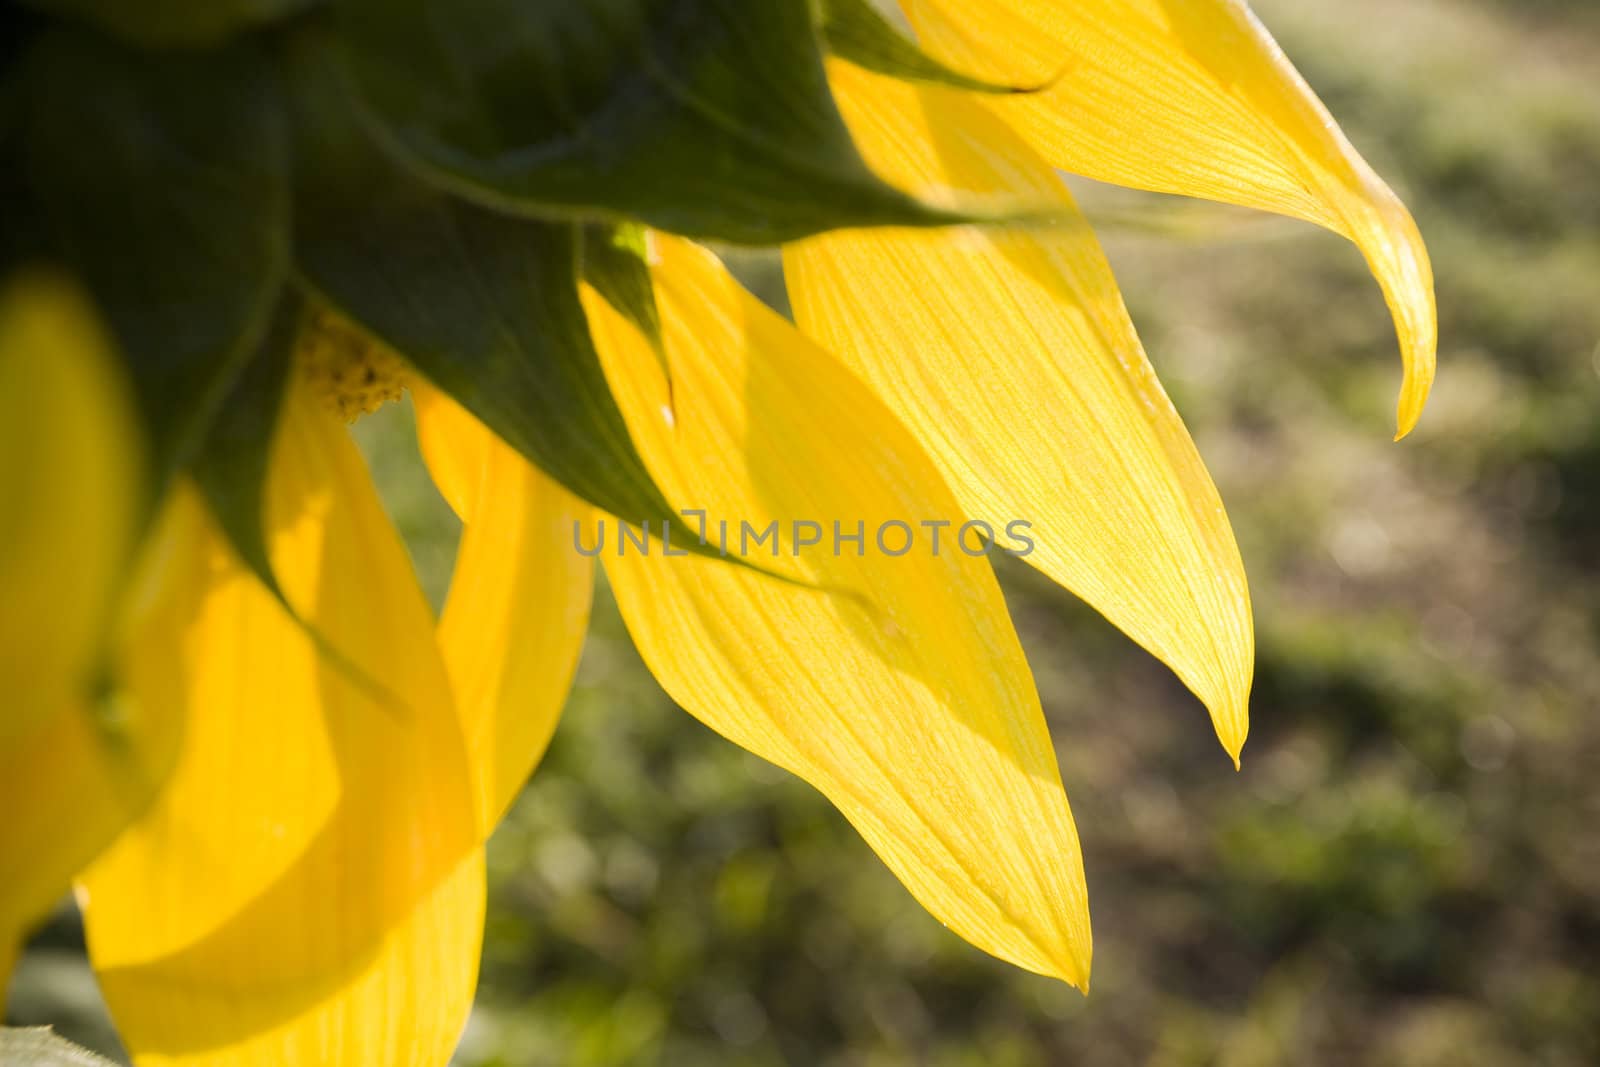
(73, 769)
(69, 487)
(308, 890)
(84, 772)
(518, 606)
(901, 692)
(1011, 358)
(1193, 97)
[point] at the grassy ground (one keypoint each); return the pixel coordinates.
(1407, 871)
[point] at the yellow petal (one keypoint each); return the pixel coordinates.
(518, 606)
(455, 446)
(69, 484)
(73, 770)
(901, 691)
(308, 890)
(1193, 97)
(70, 784)
(1010, 357)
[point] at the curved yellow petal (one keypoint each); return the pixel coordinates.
(892, 682)
(455, 446)
(74, 768)
(69, 484)
(309, 888)
(1010, 357)
(518, 607)
(73, 782)
(1193, 97)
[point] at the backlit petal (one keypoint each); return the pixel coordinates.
(73, 769)
(309, 888)
(69, 484)
(454, 445)
(518, 606)
(1010, 357)
(1193, 97)
(73, 782)
(896, 686)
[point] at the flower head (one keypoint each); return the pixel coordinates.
(280, 846)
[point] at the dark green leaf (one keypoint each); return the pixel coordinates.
(17, 28)
(165, 183)
(24, 238)
(855, 30)
(711, 118)
(485, 306)
(173, 22)
(37, 1047)
(231, 466)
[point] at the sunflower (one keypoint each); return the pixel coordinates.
(280, 767)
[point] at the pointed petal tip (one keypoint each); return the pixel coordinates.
(1419, 347)
(1068, 962)
(1232, 725)
(1079, 959)
(1230, 709)
(1413, 397)
(1066, 955)
(1399, 259)
(1233, 743)
(1234, 749)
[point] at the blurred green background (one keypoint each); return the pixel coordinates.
(1407, 870)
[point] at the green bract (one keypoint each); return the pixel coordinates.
(164, 183)
(710, 118)
(444, 174)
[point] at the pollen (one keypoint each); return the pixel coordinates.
(352, 373)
